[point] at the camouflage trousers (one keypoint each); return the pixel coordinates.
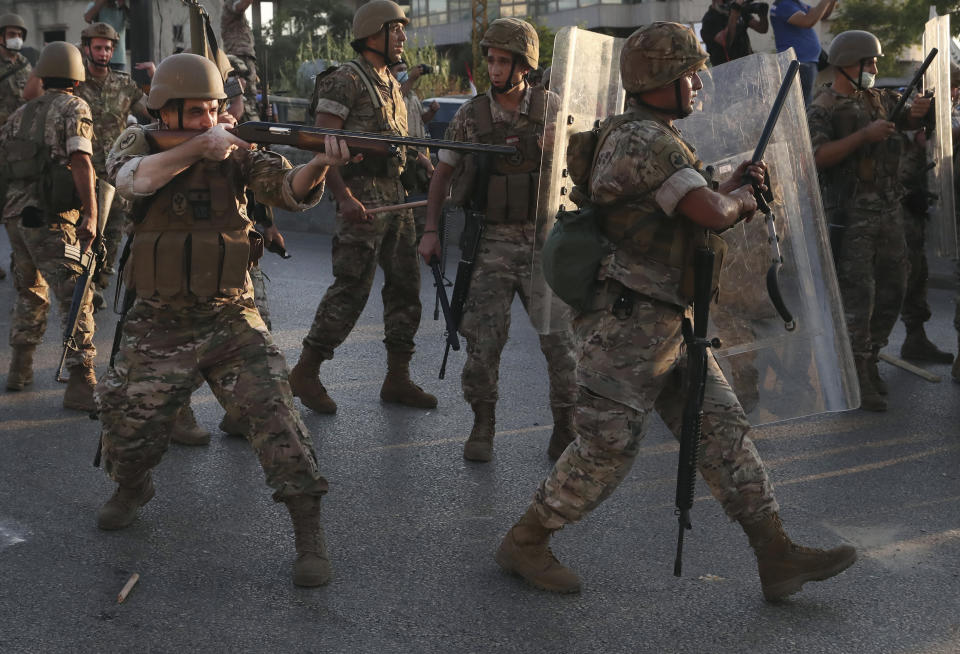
(162, 351)
(872, 273)
(39, 266)
(627, 368)
(259, 280)
(502, 270)
(117, 226)
(388, 239)
(916, 309)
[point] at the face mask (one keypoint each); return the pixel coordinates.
(15, 44)
(867, 80)
(403, 77)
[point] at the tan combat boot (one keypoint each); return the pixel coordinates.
(312, 566)
(479, 446)
(305, 382)
(79, 393)
(870, 398)
(121, 509)
(234, 426)
(525, 552)
(785, 567)
(186, 431)
(398, 388)
(564, 430)
(21, 368)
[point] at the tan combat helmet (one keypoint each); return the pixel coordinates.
(851, 47)
(99, 31)
(657, 54)
(513, 35)
(185, 76)
(371, 17)
(13, 20)
(60, 59)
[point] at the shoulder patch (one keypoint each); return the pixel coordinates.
(127, 140)
(677, 160)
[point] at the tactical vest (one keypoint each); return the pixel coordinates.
(191, 237)
(372, 166)
(874, 168)
(667, 240)
(27, 158)
(511, 193)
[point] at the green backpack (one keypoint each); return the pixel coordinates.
(575, 247)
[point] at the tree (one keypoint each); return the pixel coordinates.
(897, 23)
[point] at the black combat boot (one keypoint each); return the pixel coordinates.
(917, 347)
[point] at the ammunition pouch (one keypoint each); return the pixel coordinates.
(33, 217)
(256, 247)
(511, 198)
(373, 167)
(414, 177)
(59, 191)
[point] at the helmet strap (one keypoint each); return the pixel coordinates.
(386, 47)
(510, 85)
(855, 82)
(676, 111)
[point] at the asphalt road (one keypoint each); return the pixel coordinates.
(412, 527)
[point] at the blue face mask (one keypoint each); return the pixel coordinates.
(403, 77)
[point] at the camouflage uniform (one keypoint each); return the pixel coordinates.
(863, 192)
(502, 270)
(631, 363)
(168, 339)
(238, 41)
(12, 85)
(111, 100)
(388, 239)
(39, 260)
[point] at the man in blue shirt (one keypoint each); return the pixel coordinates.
(793, 22)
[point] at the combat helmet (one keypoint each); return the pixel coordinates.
(99, 31)
(13, 20)
(372, 16)
(658, 54)
(185, 76)
(853, 46)
(513, 35)
(61, 59)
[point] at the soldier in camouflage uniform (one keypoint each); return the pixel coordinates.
(916, 310)
(194, 311)
(511, 112)
(857, 152)
(238, 41)
(14, 70)
(50, 206)
(363, 96)
(657, 204)
(112, 96)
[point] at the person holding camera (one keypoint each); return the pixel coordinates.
(724, 29)
(793, 22)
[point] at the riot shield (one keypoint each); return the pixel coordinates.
(942, 231)
(778, 374)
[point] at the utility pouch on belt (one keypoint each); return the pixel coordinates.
(256, 247)
(59, 190)
(571, 256)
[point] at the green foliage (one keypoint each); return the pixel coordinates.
(442, 81)
(897, 23)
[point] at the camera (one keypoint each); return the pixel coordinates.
(758, 8)
(426, 69)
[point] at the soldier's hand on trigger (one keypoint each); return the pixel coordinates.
(879, 130)
(921, 105)
(217, 143)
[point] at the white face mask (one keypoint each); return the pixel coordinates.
(867, 80)
(15, 44)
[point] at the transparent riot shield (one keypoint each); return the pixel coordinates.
(585, 74)
(778, 374)
(942, 231)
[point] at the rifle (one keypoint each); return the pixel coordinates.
(452, 325)
(914, 84)
(472, 234)
(312, 138)
(90, 261)
(695, 336)
(764, 199)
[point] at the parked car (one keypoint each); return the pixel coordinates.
(449, 104)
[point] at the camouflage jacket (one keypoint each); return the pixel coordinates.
(267, 174)
(111, 100)
(243, 73)
(11, 88)
(68, 129)
(643, 169)
(235, 31)
(868, 179)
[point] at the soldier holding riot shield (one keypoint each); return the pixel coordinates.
(656, 205)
